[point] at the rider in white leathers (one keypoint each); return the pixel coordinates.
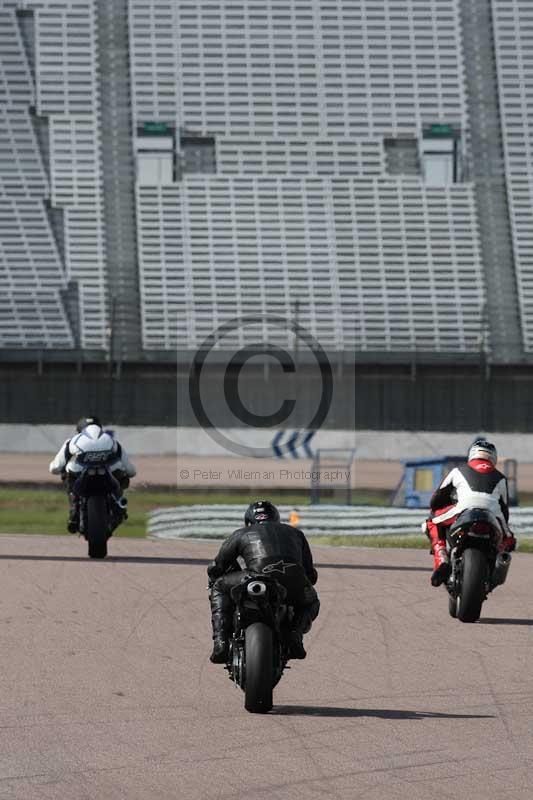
(90, 436)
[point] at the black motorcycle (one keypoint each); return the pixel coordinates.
(259, 647)
(102, 508)
(477, 565)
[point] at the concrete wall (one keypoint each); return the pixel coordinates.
(370, 445)
(157, 441)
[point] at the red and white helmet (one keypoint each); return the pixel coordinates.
(482, 449)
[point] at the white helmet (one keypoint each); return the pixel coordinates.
(481, 448)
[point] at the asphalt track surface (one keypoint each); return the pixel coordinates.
(107, 692)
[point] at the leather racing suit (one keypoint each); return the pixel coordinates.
(477, 484)
(65, 464)
(270, 548)
(65, 458)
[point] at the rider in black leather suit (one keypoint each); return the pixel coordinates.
(266, 545)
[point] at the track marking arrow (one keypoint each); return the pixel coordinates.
(276, 444)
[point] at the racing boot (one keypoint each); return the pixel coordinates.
(73, 523)
(301, 623)
(441, 564)
(296, 645)
(220, 651)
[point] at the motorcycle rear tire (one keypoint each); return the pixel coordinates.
(452, 606)
(97, 525)
(259, 673)
(473, 585)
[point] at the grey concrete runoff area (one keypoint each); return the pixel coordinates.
(221, 473)
(107, 691)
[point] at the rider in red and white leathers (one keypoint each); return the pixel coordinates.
(477, 484)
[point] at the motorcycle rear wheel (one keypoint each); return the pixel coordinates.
(452, 606)
(97, 525)
(473, 585)
(259, 677)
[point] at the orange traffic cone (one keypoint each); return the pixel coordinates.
(294, 519)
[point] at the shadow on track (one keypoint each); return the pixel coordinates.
(495, 621)
(380, 713)
(380, 567)
(111, 559)
(193, 561)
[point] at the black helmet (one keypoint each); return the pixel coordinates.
(261, 511)
(84, 421)
(481, 448)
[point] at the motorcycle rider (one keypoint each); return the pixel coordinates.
(90, 435)
(269, 546)
(476, 484)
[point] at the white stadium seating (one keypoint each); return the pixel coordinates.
(291, 157)
(211, 249)
(54, 79)
(513, 34)
(299, 99)
(32, 275)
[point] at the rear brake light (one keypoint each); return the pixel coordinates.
(481, 527)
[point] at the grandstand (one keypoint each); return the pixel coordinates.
(166, 165)
(303, 108)
(513, 36)
(52, 195)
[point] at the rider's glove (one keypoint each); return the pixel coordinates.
(213, 572)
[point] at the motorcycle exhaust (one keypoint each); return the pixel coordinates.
(122, 502)
(257, 588)
(501, 568)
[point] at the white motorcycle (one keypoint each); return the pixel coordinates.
(101, 505)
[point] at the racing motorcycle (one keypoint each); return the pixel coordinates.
(477, 565)
(259, 647)
(102, 508)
